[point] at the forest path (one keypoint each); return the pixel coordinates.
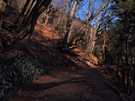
(69, 85)
(76, 83)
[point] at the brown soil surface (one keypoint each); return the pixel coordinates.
(78, 85)
(79, 82)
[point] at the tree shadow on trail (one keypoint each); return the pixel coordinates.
(77, 85)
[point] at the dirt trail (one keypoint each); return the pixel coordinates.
(71, 84)
(78, 85)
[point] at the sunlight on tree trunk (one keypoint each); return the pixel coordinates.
(69, 23)
(92, 39)
(86, 20)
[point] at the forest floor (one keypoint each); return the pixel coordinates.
(77, 82)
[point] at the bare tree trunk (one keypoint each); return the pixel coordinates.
(104, 44)
(28, 12)
(86, 31)
(35, 14)
(89, 41)
(48, 14)
(46, 20)
(69, 26)
(22, 13)
(2, 12)
(92, 40)
(31, 15)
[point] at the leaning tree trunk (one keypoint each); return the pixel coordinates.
(32, 13)
(87, 26)
(35, 14)
(2, 12)
(22, 13)
(69, 24)
(28, 12)
(92, 40)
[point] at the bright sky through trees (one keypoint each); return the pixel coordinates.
(82, 12)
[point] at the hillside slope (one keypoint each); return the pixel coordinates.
(72, 79)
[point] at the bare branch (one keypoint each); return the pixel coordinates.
(91, 18)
